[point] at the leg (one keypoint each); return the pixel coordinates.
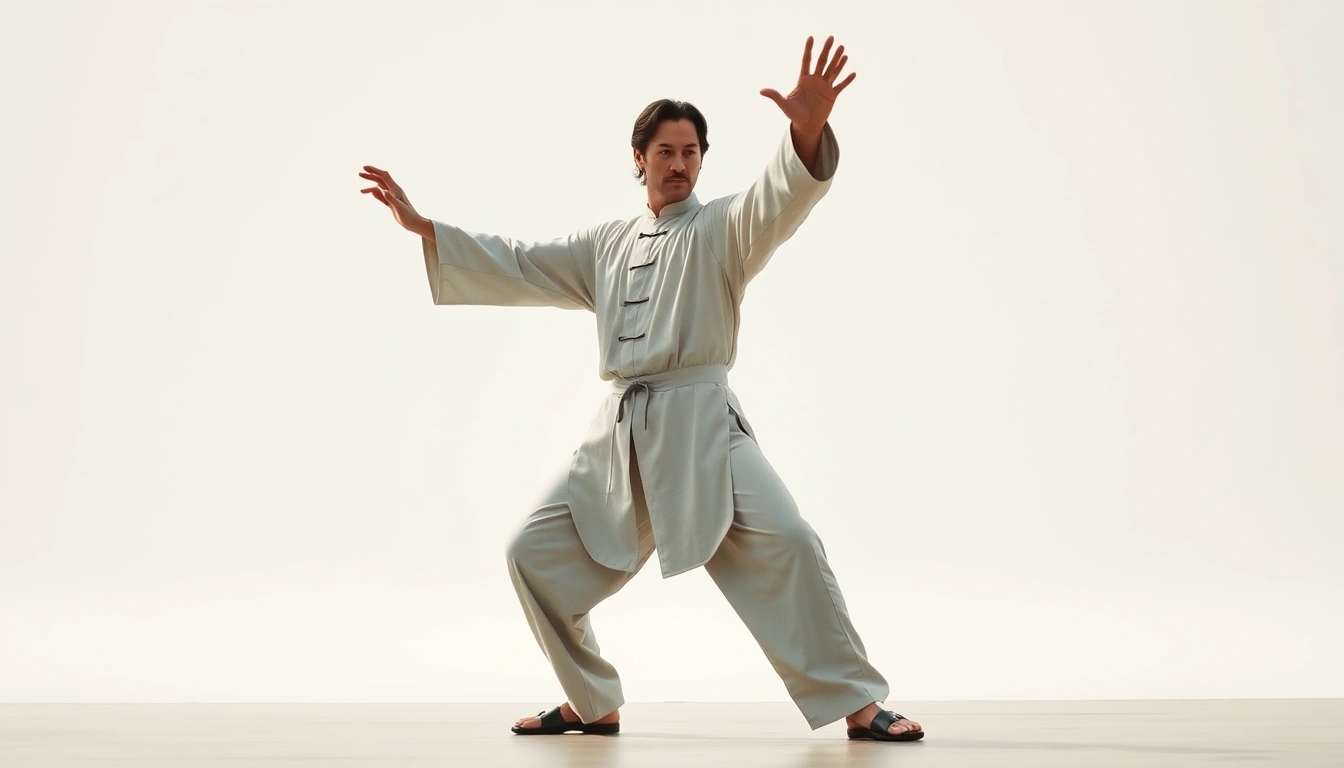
(558, 584)
(772, 568)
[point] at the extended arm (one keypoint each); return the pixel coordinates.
(474, 268)
(765, 215)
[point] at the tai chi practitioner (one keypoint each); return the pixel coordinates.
(670, 462)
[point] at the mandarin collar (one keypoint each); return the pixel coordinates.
(672, 209)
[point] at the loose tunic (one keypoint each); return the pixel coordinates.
(667, 291)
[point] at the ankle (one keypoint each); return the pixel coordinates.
(568, 712)
(866, 714)
(614, 716)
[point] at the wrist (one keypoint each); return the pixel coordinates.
(423, 227)
(808, 132)
(807, 145)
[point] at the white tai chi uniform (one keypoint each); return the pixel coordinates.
(670, 463)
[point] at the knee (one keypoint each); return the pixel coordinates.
(529, 542)
(785, 525)
(794, 533)
(517, 551)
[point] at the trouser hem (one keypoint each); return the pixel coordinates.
(590, 711)
(836, 708)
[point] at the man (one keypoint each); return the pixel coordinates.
(671, 464)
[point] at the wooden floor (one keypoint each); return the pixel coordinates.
(1277, 732)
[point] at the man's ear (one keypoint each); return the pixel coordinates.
(639, 158)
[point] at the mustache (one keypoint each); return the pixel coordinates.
(676, 176)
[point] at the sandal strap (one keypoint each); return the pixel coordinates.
(552, 719)
(884, 720)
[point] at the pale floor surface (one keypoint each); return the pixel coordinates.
(1271, 732)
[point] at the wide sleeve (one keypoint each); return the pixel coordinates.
(472, 268)
(750, 225)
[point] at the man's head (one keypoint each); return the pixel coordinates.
(669, 140)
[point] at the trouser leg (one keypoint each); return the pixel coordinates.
(772, 569)
(558, 583)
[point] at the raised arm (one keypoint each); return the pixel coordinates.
(473, 268)
(808, 106)
(765, 215)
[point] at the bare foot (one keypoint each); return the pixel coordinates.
(570, 716)
(864, 719)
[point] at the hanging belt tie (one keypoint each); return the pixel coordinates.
(629, 395)
(643, 235)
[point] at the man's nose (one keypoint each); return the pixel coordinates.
(679, 164)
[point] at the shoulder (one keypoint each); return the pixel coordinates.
(716, 211)
(604, 232)
(720, 203)
(613, 229)
(604, 239)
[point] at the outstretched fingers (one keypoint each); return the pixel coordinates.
(837, 64)
(373, 174)
(386, 184)
(378, 193)
(807, 58)
(822, 59)
(382, 177)
(829, 65)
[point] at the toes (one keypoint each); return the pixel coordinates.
(903, 726)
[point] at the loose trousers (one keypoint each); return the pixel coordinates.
(771, 567)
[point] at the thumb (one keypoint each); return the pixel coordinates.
(773, 95)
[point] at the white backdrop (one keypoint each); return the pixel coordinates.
(1055, 370)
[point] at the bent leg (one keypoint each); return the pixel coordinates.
(772, 569)
(558, 583)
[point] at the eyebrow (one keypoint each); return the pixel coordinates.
(669, 146)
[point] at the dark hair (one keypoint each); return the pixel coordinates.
(646, 125)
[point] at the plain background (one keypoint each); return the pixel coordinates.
(1055, 370)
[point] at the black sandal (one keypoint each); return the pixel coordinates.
(877, 730)
(553, 723)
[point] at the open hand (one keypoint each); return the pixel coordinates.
(809, 104)
(390, 193)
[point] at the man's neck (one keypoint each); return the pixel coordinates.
(657, 205)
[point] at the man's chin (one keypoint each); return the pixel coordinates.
(675, 192)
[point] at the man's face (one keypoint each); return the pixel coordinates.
(672, 163)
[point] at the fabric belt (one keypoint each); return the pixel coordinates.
(658, 382)
(661, 382)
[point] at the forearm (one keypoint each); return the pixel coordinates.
(768, 212)
(424, 228)
(807, 143)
